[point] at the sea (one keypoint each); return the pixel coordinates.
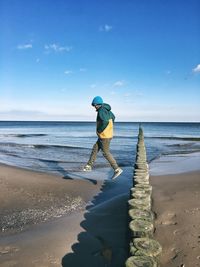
(52, 147)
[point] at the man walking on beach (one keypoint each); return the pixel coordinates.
(104, 127)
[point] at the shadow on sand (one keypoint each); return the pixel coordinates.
(104, 239)
(65, 173)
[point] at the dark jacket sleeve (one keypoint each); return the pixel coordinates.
(112, 116)
(103, 118)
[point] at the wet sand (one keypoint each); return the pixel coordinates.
(40, 215)
(176, 202)
(28, 198)
(50, 221)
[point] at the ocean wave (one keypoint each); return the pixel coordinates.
(39, 146)
(58, 146)
(7, 153)
(181, 145)
(22, 135)
(125, 137)
(38, 160)
(181, 138)
(178, 152)
(190, 138)
(9, 144)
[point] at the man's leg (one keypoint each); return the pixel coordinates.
(93, 154)
(105, 147)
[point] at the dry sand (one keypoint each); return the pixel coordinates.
(50, 221)
(176, 202)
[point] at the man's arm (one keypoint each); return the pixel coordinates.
(102, 120)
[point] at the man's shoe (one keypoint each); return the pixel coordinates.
(87, 168)
(117, 172)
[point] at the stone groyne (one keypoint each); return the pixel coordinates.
(144, 251)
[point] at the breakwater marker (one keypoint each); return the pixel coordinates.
(144, 251)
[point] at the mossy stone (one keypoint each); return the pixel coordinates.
(138, 204)
(141, 228)
(145, 187)
(140, 261)
(141, 214)
(139, 196)
(141, 190)
(146, 246)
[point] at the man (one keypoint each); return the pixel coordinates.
(104, 127)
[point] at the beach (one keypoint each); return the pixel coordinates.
(33, 231)
(94, 229)
(176, 198)
(49, 220)
(53, 214)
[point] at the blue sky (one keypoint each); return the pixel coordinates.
(141, 56)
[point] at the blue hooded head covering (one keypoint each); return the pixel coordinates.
(97, 101)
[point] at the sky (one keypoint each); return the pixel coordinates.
(141, 56)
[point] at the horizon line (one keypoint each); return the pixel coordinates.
(93, 121)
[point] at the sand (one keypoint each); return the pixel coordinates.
(33, 229)
(28, 198)
(50, 221)
(176, 202)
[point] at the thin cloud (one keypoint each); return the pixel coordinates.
(24, 46)
(68, 72)
(105, 28)
(57, 48)
(196, 69)
(118, 84)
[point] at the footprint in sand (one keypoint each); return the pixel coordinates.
(175, 252)
(168, 219)
(8, 249)
(177, 231)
